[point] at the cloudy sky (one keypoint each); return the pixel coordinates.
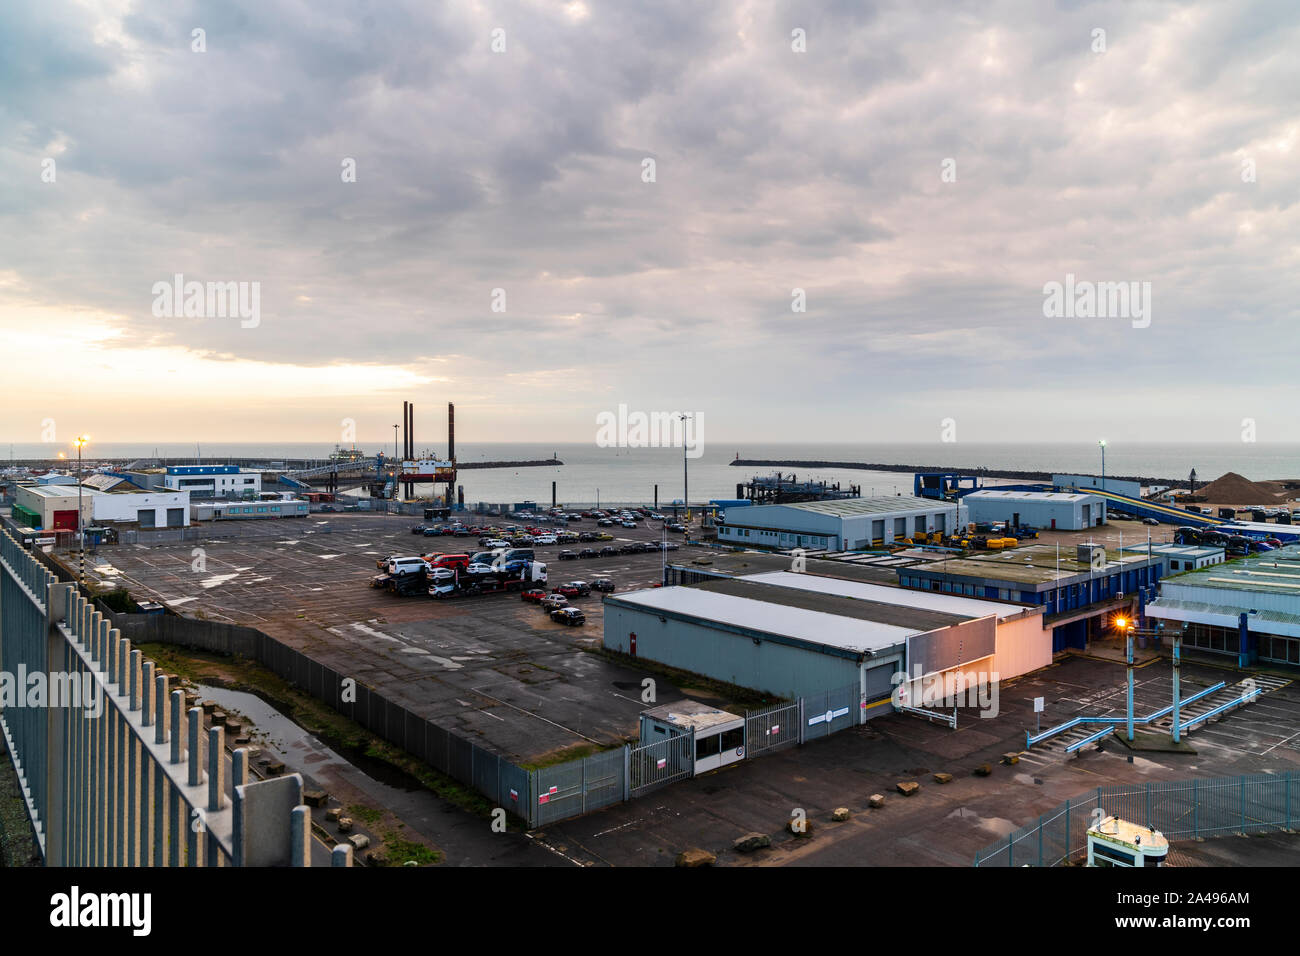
(919, 171)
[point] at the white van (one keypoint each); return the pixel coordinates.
(407, 565)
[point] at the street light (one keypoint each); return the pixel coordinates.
(80, 441)
(394, 443)
(1102, 443)
(685, 472)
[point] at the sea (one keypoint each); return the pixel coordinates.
(632, 475)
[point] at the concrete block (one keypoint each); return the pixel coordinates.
(1010, 759)
(876, 801)
(359, 841)
(696, 857)
(800, 828)
(345, 824)
(983, 770)
(942, 778)
(840, 814)
(314, 798)
(333, 814)
(275, 768)
(908, 787)
(751, 842)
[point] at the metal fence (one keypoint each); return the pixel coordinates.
(1181, 810)
(114, 770)
(662, 762)
(771, 729)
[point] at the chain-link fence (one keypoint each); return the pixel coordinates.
(1181, 810)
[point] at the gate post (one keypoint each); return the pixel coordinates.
(627, 773)
(800, 721)
(1196, 809)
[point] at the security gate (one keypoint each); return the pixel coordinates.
(772, 728)
(662, 762)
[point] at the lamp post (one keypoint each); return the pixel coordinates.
(394, 443)
(1102, 443)
(686, 494)
(79, 441)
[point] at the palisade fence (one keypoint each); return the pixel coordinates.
(114, 770)
(1181, 810)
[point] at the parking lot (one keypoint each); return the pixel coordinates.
(941, 825)
(493, 669)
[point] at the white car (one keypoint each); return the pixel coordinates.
(442, 575)
(478, 567)
(545, 539)
(442, 591)
(496, 543)
(629, 523)
(407, 565)
(656, 516)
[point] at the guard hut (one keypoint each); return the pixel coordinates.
(719, 736)
(1116, 842)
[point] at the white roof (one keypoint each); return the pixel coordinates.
(814, 627)
(902, 597)
(1047, 496)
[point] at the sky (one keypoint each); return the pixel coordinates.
(830, 221)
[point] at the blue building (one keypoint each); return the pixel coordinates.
(1077, 588)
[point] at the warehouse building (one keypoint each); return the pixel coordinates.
(1076, 588)
(1249, 608)
(841, 525)
(798, 635)
(51, 507)
(1062, 510)
(1182, 557)
(126, 504)
(1096, 483)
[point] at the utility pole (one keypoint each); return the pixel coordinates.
(80, 440)
(686, 485)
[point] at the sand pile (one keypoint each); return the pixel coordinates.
(1232, 489)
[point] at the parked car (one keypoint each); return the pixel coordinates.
(553, 601)
(588, 536)
(675, 526)
(478, 567)
(568, 590)
(419, 529)
(1150, 520)
(656, 516)
(568, 615)
(451, 561)
(544, 539)
(602, 584)
(588, 553)
(608, 552)
(602, 536)
(533, 595)
(629, 549)
(444, 591)
(605, 523)
(566, 555)
(442, 575)
(629, 523)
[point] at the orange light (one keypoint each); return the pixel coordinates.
(1121, 622)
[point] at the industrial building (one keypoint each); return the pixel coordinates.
(214, 481)
(838, 525)
(1249, 608)
(1183, 557)
(249, 510)
(126, 504)
(53, 506)
(1076, 588)
(1061, 510)
(795, 635)
(1096, 483)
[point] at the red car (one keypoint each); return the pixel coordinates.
(533, 595)
(568, 590)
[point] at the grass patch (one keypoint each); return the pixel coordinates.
(340, 732)
(367, 815)
(564, 755)
(400, 851)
